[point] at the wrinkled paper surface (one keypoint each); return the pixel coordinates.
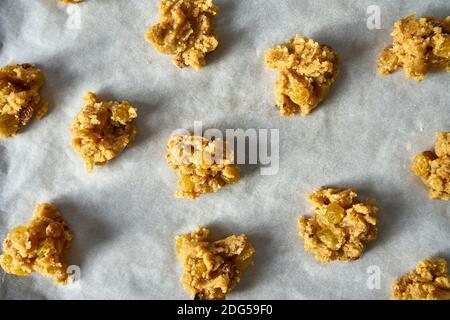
(124, 215)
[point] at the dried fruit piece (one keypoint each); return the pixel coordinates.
(306, 72)
(19, 97)
(341, 226)
(333, 214)
(102, 130)
(434, 167)
(186, 30)
(40, 246)
(417, 44)
(212, 269)
(202, 165)
(430, 281)
(421, 163)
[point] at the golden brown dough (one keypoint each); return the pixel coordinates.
(185, 29)
(202, 165)
(306, 72)
(102, 130)
(19, 97)
(40, 246)
(71, 1)
(212, 269)
(341, 226)
(434, 167)
(417, 45)
(430, 281)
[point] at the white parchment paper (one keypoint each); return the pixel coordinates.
(125, 216)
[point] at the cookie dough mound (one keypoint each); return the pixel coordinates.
(19, 97)
(212, 269)
(202, 165)
(430, 281)
(40, 246)
(102, 130)
(186, 30)
(306, 72)
(417, 44)
(434, 167)
(341, 226)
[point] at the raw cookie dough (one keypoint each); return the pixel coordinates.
(418, 44)
(71, 1)
(102, 130)
(212, 269)
(202, 165)
(430, 281)
(19, 97)
(434, 167)
(40, 246)
(306, 72)
(186, 30)
(341, 226)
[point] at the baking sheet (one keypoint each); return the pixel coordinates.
(124, 215)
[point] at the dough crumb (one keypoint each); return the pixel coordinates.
(185, 29)
(417, 45)
(102, 130)
(19, 97)
(212, 269)
(341, 226)
(40, 246)
(430, 281)
(306, 72)
(203, 165)
(434, 167)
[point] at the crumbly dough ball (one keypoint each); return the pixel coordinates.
(417, 44)
(306, 72)
(19, 97)
(434, 167)
(341, 226)
(185, 29)
(202, 165)
(430, 281)
(102, 130)
(212, 269)
(40, 246)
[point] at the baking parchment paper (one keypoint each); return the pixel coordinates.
(125, 216)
